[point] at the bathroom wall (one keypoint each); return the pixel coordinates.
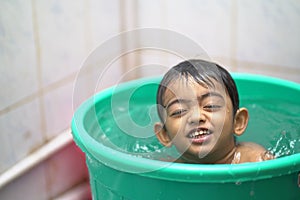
(44, 43)
(246, 36)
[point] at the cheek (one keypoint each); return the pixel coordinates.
(175, 126)
(222, 120)
(218, 117)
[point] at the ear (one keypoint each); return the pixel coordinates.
(162, 135)
(240, 121)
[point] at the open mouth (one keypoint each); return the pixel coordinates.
(199, 133)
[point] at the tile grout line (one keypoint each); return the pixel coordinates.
(128, 12)
(46, 89)
(137, 58)
(233, 35)
(123, 19)
(87, 26)
(40, 93)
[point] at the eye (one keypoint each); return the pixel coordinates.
(178, 113)
(212, 107)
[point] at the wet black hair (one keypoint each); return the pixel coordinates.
(202, 72)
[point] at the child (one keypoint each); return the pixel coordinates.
(198, 105)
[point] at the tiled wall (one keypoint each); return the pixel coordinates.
(246, 36)
(44, 43)
(42, 46)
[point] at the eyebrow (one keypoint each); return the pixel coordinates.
(206, 95)
(177, 101)
(209, 94)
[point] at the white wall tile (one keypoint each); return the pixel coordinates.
(84, 86)
(103, 21)
(17, 52)
(20, 133)
(58, 109)
(269, 70)
(206, 22)
(93, 78)
(62, 37)
(268, 32)
(152, 13)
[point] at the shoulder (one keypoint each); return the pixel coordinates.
(252, 152)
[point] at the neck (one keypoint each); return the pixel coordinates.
(227, 159)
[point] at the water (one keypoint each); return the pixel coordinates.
(134, 135)
(276, 123)
(273, 124)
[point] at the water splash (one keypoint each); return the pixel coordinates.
(284, 145)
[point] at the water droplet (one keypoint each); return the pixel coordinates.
(238, 183)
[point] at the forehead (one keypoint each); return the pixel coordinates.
(190, 89)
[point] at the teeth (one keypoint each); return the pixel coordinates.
(197, 133)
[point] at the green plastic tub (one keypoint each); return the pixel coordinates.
(114, 129)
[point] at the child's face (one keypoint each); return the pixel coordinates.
(199, 120)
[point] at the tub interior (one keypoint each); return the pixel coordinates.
(125, 117)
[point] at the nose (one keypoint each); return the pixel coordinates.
(197, 116)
